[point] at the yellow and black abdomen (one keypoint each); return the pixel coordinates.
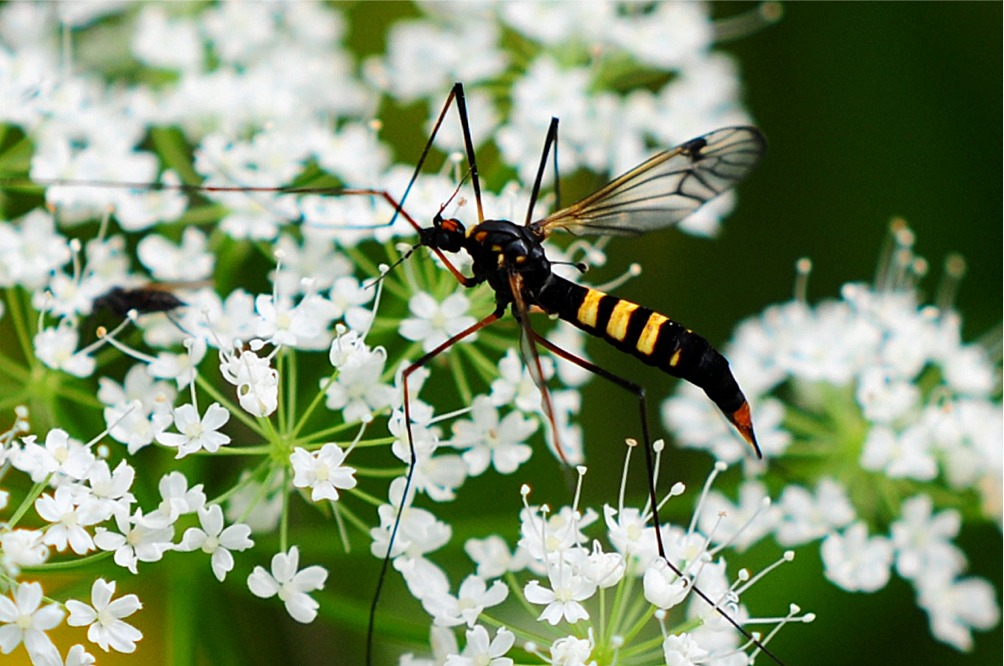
(652, 338)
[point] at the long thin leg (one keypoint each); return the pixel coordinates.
(639, 393)
(470, 330)
(465, 126)
(550, 140)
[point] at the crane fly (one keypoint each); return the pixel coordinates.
(511, 259)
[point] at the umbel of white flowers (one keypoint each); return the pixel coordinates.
(881, 380)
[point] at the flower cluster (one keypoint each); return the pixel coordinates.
(888, 427)
(575, 600)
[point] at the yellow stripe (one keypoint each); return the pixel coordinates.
(619, 318)
(590, 308)
(650, 334)
(676, 359)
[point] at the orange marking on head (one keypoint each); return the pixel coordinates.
(743, 422)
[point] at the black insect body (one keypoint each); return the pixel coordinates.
(511, 259)
(143, 300)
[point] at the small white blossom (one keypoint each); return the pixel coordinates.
(195, 434)
(104, 618)
(216, 540)
(290, 584)
(256, 380)
(472, 599)
(491, 441)
(136, 541)
(482, 651)
(664, 588)
(923, 541)
(22, 548)
(683, 650)
(563, 598)
(572, 651)
(23, 620)
(857, 562)
(432, 322)
(956, 606)
(177, 499)
(61, 454)
(70, 510)
(322, 471)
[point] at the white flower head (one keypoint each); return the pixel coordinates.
(216, 540)
(197, 434)
(322, 471)
(433, 322)
(24, 620)
(104, 618)
(291, 584)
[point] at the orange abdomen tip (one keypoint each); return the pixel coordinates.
(744, 424)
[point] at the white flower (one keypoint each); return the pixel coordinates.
(515, 386)
(491, 441)
(357, 390)
(563, 599)
(69, 511)
(907, 454)
(259, 504)
(856, 562)
(182, 368)
(61, 455)
(195, 434)
(216, 540)
(322, 471)
(290, 584)
(22, 548)
(256, 380)
(110, 490)
(923, 541)
(482, 651)
(572, 651)
(104, 618)
(806, 517)
(742, 524)
(78, 656)
(683, 651)
(136, 540)
(954, 606)
(57, 348)
(433, 322)
(22, 620)
(472, 599)
(493, 556)
(177, 499)
(438, 476)
(189, 262)
(664, 588)
(418, 533)
(282, 323)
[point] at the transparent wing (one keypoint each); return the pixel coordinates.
(665, 189)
